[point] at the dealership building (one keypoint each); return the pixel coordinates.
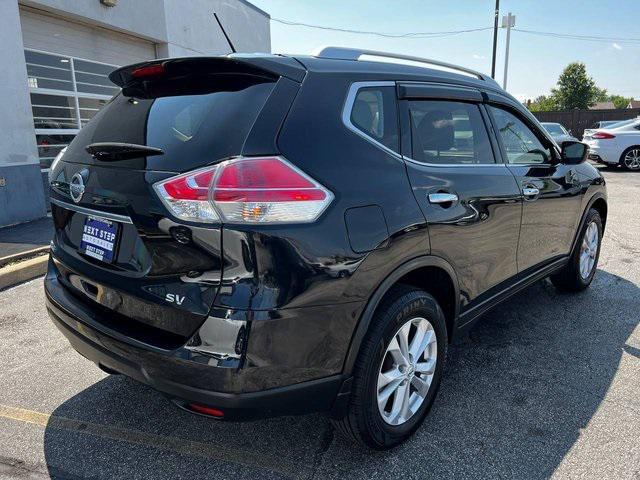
(56, 57)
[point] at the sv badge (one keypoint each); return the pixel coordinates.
(174, 298)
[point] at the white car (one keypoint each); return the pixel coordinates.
(618, 144)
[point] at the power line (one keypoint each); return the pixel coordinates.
(593, 38)
(590, 38)
(382, 34)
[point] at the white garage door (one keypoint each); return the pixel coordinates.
(67, 68)
(57, 35)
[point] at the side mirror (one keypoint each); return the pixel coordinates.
(574, 153)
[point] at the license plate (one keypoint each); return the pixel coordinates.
(99, 238)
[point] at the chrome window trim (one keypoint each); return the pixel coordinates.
(348, 107)
(96, 213)
(418, 162)
(346, 120)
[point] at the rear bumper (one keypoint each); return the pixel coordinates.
(603, 155)
(180, 374)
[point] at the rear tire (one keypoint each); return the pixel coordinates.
(630, 158)
(372, 420)
(579, 272)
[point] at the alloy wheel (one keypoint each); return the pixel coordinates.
(589, 250)
(632, 159)
(407, 371)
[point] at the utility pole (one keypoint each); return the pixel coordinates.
(508, 22)
(496, 15)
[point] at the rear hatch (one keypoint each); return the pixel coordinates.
(117, 248)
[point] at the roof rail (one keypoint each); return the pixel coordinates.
(344, 53)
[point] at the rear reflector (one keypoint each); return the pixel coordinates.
(602, 136)
(246, 190)
(204, 410)
(156, 70)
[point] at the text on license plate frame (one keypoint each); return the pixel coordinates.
(99, 238)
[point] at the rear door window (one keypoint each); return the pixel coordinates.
(446, 132)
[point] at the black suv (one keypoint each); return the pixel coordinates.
(262, 235)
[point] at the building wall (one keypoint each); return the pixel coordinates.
(189, 34)
(141, 18)
(169, 28)
(178, 27)
(81, 40)
(21, 193)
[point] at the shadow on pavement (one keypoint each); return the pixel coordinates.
(26, 236)
(517, 391)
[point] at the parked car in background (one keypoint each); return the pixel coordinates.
(212, 245)
(558, 132)
(619, 144)
(601, 124)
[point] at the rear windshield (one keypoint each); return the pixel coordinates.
(623, 123)
(192, 129)
(554, 128)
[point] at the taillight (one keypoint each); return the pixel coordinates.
(602, 136)
(187, 195)
(148, 71)
(246, 190)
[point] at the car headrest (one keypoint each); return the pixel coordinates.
(436, 131)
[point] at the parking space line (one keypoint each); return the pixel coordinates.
(162, 442)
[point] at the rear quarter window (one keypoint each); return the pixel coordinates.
(374, 113)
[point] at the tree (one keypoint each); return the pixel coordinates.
(575, 89)
(619, 101)
(544, 103)
(601, 95)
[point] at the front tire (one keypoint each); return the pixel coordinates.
(398, 370)
(579, 272)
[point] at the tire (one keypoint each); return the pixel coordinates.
(364, 422)
(632, 163)
(571, 278)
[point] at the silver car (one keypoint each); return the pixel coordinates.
(558, 132)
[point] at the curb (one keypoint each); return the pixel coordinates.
(15, 273)
(16, 257)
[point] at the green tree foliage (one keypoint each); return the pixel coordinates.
(543, 103)
(600, 95)
(575, 89)
(619, 101)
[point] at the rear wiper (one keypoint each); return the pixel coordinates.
(112, 151)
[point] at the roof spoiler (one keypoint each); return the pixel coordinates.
(264, 65)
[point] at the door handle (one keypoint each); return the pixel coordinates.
(530, 192)
(442, 198)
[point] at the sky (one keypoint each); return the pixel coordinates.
(535, 62)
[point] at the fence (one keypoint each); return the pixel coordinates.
(578, 120)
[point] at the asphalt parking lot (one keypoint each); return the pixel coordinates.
(548, 385)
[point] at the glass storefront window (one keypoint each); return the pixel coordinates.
(66, 92)
(54, 111)
(49, 71)
(49, 146)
